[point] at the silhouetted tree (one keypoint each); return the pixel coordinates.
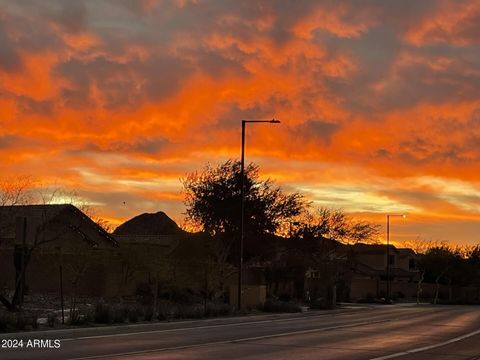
(19, 191)
(315, 244)
(441, 264)
(13, 191)
(213, 202)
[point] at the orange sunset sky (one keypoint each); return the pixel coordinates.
(379, 102)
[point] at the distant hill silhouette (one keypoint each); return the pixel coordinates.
(149, 224)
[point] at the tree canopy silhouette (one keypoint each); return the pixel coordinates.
(213, 201)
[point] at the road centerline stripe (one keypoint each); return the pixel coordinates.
(195, 327)
(231, 341)
(428, 347)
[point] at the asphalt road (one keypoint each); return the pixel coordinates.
(377, 332)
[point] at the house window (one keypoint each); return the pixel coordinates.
(391, 259)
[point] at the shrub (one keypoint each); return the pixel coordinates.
(144, 294)
(189, 312)
(52, 319)
(18, 321)
(74, 317)
(280, 306)
(120, 313)
(165, 311)
(8, 322)
(321, 303)
(148, 313)
(134, 314)
(179, 295)
(27, 321)
(285, 297)
(82, 319)
(103, 313)
(214, 309)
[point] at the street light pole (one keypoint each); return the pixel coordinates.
(242, 195)
(388, 251)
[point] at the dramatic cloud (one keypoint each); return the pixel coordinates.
(378, 101)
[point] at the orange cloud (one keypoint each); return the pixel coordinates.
(379, 102)
(453, 22)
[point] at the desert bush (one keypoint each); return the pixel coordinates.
(179, 295)
(134, 313)
(189, 311)
(120, 313)
(280, 306)
(27, 321)
(144, 294)
(214, 309)
(18, 321)
(82, 318)
(8, 322)
(148, 313)
(165, 310)
(321, 303)
(103, 313)
(52, 319)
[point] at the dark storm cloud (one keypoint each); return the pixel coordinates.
(30, 22)
(454, 23)
(125, 80)
(125, 84)
(315, 130)
(382, 153)
(20, 143)
(149, 146)
(8, 140)
(265, 109)
(28, 105)
(218, 65)
(71, 16)
(9, 58)
(142, 145)
(425, 151)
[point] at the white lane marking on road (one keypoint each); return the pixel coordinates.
(229, 341)
(193, 328)
(429, 347)
(165, 330)
(309, 331)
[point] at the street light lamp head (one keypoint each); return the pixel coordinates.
(274, 121)
(404, 216)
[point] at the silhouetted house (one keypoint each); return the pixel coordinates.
(156, 255)
(372, 259)
(254, 287)
(55, 236)
(325, 281)
(149, 224)
(353, 272)
(370, 272)
(140, 258)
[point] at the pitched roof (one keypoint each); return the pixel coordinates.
(406, 252)
(50, 215)
(366, 269)
(149, 224)
(362, 248)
